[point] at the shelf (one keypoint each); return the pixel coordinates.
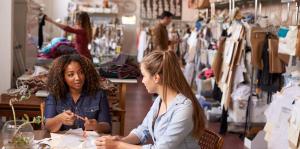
(222, 5)
(102, 13)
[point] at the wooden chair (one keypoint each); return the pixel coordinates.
(210, 140)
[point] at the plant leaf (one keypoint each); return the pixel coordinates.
(26, 117)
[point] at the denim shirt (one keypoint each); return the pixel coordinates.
(92, 107)
(172, 130)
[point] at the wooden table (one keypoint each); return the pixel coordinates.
(38, 134)
(122, 93)
(31, 107)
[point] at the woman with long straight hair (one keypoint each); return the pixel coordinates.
(175, 120)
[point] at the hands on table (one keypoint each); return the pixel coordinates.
(108, 142)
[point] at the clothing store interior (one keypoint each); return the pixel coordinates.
(151, 74)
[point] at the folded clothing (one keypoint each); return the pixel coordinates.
(53, 42)
(125, 71)
(60, 48)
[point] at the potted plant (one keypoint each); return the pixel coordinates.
(18, 134)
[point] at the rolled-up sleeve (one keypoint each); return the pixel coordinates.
(142, 131)
(104, 115)
(178, 129)
(50, 107)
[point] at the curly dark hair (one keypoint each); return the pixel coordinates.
(56, 83)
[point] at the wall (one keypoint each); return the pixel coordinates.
(58, 9)
(6, 13)
(188, 14)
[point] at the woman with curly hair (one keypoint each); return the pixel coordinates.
(75, 100)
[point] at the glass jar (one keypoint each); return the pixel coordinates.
(19, 136)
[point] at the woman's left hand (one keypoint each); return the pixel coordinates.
(90, 124)
(107, 142)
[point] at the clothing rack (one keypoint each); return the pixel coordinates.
(269, 30)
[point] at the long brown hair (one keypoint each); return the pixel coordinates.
(165, 64)
(56, 83)
(84, 21)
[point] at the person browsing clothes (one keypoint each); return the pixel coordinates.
(82, 31)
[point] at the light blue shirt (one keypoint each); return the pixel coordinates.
(172, 130)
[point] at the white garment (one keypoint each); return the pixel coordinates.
(142, 45)
(192, 40)
(242, 92)
(287, 45)
(277, 116)
(189, 72)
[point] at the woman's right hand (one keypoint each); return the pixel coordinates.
(67, 118)
(48, 18)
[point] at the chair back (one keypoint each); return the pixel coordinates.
(210, 140)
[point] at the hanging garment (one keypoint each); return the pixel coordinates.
(218, 60)
(142, 45)
(270, 82)
(287, 44)
(41, 25)
(257, 39)
(278, 116)
(276, 65)
(189, 72)
(294, 126)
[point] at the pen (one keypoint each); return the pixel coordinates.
(80, 117)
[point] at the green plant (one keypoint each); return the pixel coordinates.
(18, 139)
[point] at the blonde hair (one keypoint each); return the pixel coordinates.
(165, 64)
(84, 21)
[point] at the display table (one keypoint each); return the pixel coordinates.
(31, 107)
(122, 100)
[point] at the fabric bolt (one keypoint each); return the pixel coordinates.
(170, 130)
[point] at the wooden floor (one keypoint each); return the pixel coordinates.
(138, 102)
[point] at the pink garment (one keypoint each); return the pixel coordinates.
(81, 41)
(208, 73)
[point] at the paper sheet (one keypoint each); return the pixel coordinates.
(73, 139)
